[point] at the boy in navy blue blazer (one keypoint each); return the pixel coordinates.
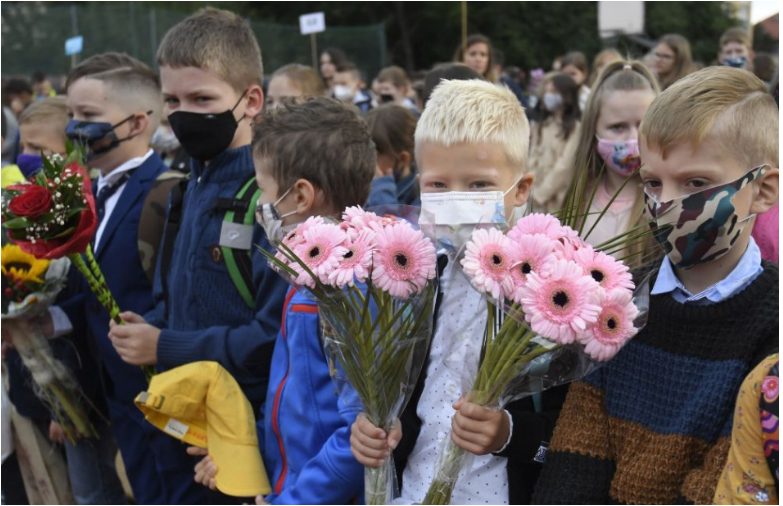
(115, 105)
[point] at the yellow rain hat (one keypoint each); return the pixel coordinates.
(201, 404)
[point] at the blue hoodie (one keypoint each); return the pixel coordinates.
(208, 319)
(305, 429)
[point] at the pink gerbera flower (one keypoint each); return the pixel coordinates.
(296, 236)
(614, 325)
(404, 260)
(488, 258)
(356, 262)
(529, 254)
(561, 304)
(607, 271)
(322, 250)
(536, 223)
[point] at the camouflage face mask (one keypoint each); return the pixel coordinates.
(700, 227)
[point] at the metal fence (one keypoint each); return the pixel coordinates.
(34, 34)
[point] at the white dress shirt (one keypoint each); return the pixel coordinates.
(455, 347)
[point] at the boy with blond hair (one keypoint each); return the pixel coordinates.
(216, 297)
(654, 424)
(472, 147)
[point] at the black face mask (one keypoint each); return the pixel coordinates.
(387, 99)
(96, 138)
(204, 136)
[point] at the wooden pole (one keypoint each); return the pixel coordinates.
(314, 49)
(464, 27)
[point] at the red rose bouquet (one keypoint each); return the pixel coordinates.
(53, 216)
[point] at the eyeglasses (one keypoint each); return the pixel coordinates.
(664, 56)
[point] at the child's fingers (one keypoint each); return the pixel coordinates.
(212, 484)
(196, 451)
(362, 459)
(395, 435)
(364, 425)
(475, 412)
(371, 452)
(370, 442)
(467, 445)
(467, 424)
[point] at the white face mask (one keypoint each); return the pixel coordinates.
(553, 101)
(451, 217)
(343, 92)
(271, 220)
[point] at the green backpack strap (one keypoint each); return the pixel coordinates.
(238, 262)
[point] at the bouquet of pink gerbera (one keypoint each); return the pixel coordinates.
(373, 279)
(557, 309)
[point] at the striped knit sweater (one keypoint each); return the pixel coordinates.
(654, 424)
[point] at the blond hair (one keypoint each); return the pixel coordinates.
(304, 78)
(474, 112)
(218, 41)
(50, 110)
(730, 103)
(616, 76)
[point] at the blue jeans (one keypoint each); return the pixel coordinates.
(91, 469)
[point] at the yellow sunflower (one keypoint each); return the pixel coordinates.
(22, 266)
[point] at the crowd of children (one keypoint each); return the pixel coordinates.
(657, 424)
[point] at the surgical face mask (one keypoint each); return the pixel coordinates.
(700, 227)
(96, 138)
(738, 62)
(205, 135)
(343, 92)
(553, 101)
(620, 156)
(29, 164)
(164, 140)
(271, 220)
(451, 217)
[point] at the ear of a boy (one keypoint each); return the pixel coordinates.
(768, 192)
(523, 190)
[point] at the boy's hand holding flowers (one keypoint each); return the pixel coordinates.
(136, 341)
(480, 430)
(369, 444)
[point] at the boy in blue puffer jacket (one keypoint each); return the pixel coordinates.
(314, 158)
(218, 299)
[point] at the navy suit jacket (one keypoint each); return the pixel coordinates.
(118, 257)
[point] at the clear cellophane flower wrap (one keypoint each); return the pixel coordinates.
(373, 276)
(30, 286)
(556, 311)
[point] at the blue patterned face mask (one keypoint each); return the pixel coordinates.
(738, 62)
(96, 137)
(700, 227)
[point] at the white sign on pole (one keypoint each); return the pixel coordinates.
(615, 18)
(74, 45)
(312, 23)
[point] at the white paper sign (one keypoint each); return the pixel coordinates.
(312, 23)
(74, 45)
(616, 18)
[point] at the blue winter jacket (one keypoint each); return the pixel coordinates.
(305, 429)
(208, 318)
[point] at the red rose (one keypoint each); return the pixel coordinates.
(78, 241)
(33, 201)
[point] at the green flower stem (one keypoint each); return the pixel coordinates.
(75, 414)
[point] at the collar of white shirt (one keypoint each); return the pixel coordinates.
(113, 176)
(748, 268)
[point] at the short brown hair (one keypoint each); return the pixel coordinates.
(350, 67)
(577, 59)
(730, 103)
(304, 78)
(392, 128)
(736, 34)
(395, 75)
(216, 40)
(133, 84)
(51, 110)
(321, 140)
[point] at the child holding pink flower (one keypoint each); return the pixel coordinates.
(472, 149)
(609, 151)
(654, 425)
(312, 159)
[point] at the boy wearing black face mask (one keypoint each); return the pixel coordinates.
(218, 300)
(115, 103)
(654, 425)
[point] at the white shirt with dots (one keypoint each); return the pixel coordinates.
(455, 347)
